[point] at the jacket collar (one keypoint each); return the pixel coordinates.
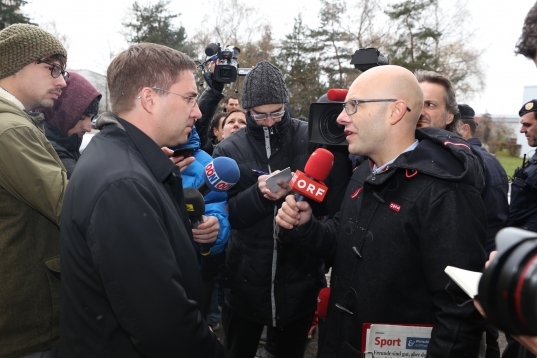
(11, 98)
(474, 141)
(159, 164)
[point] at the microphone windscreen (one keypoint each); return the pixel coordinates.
(337, 94)
(319, 164)
(195, 204)
(221, 174)
(322, 302)
(211, 49)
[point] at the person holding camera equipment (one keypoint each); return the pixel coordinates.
(224, 69)
(408, 212)
(208, 103)
(268, 283)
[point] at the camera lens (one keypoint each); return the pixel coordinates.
(508, 287)
(330, 130)
(225, 73)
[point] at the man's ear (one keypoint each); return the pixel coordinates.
(148, 99)
(398, 112)
(451, 116)
(466, 130)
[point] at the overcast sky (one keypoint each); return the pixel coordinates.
(93, 29)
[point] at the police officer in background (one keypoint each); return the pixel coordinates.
(523, 208)
(494, 194)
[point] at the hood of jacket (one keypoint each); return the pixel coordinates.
(444, 155)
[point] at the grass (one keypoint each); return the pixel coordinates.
(508, 163)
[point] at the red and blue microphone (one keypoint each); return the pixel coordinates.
(220, 175)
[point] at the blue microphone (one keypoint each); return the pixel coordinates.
(220, 175)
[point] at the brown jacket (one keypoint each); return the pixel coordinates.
(32, 184)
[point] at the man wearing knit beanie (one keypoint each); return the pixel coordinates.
(32, 185)
(70, 117)
(269, 283)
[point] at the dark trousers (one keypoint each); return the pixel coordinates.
(242, 336)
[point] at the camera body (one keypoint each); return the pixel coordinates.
(323, 128)
(508, 288)
(228, 68)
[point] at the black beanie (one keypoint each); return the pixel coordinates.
(93, 108)
(264, 85)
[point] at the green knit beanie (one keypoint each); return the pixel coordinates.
(22, 44)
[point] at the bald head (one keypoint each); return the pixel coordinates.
(393, 82)
(383, 117)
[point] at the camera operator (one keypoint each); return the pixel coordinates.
(208, 104)
(408, 212)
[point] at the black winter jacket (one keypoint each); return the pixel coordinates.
(208, 103)
(131, 284)
(256, 263)
(395, 234)
(523, 207)
(66, 147)
(494, 194)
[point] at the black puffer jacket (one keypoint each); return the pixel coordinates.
(65, 147)
(256, 262)
(395, 234)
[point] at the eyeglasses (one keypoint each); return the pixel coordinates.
(264, 116)
(351, 106)
(56, 70)
(192, 101)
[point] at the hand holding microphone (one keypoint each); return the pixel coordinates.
(204, 228)
(295, 211)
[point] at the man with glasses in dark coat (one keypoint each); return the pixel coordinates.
(409, 211)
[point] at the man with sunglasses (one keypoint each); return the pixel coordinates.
(32, 186)
(410, 210)
(268, 283)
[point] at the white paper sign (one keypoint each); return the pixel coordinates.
(397, 341)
